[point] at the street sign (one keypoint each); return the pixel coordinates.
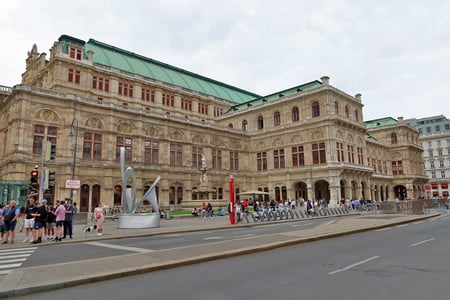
(427, 186)
(72, 184)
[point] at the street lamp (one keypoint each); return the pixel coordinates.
(74, 121)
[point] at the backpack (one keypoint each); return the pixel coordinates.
(10, 214)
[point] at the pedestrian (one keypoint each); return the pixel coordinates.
(40, 214)
(60, 213)
(209, 210)
(99, 215)
(29, 219)
(2, 226)
(68, 219)
(51, 223)
(10, 216)
(74, 214)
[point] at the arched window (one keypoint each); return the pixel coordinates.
(230, 125)
(260, 121)
(356, 116)
(336, 107)
(295, 114)
(394, 138)
(347, 113)
(276, 118)
(245, 125)
(315, 107)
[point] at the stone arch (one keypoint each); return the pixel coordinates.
(176, 135)
(151, 131)
(124, 127)
(277, 142)
(94, 122)
(198, 139)
(48, 115)
(317, 135)
(297, 138)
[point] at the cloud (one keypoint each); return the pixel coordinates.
(395, 53)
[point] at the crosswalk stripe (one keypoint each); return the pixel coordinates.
(11, 259)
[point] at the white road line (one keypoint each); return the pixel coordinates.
(14, 256)
(10, 266)
(401, 225)
(353, 265)
(383, 229)
(307, 224)
(243, 235)
(119, 247)
(18, 250)
(418, 222)
(5, 272)
(213, 238)
(12, 260)
(422, 242)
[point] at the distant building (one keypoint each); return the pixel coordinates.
(435, 138)
(90, 99)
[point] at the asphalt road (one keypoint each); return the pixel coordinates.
(408, 261)
(87, 250)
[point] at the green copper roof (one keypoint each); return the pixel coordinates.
(133, 63)
(277, 95)
(381, 122)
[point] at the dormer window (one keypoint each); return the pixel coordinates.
(75, 53)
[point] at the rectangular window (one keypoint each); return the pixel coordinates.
(92, 145)
(75, 53)
(203, 108)
(100, 83)
(125, 89)
(397, 167)
(298, 156)
(351, 155)
(186, 104)
(43, 133)
(278, 159)
(197, 157)
(147, 95)
(217, 111)
(176, 154)
(360, 156)
(168, 100)
(151, 152)
(216, 159)
(234, 161)
(261, 161)
(74, 76)
(318, 153)
(340, 151)
(127, 143)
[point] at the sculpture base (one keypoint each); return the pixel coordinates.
(151, 220)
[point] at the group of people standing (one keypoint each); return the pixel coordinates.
(42, 220)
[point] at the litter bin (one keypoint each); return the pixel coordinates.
(167, 214)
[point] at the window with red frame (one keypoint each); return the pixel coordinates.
(74, 76)
(75, 53)
(125, 89)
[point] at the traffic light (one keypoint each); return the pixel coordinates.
(49, 179)
(33, 185)
(50, 151)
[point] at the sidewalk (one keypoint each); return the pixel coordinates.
(30, 280)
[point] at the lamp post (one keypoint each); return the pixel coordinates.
(74, 122)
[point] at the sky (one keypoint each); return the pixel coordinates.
(396, 53)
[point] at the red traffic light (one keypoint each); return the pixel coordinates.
(35, 173)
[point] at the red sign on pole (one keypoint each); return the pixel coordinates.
(232, 217)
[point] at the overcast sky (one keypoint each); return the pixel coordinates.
(396, 53)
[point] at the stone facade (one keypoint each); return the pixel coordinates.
(306, 142)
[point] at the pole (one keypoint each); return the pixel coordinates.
(74, 151)
(232, 217)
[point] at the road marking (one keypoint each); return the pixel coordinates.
(11, 259)
(243, 235)
(419, 222)
(307, 224)
(401, 225)
(422, 242)
(383, 229)
(119, 247)
(353, 265)
(213, 238)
